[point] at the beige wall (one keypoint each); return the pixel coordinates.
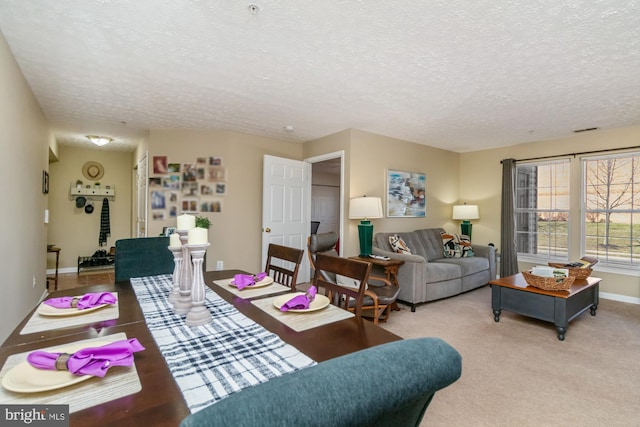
(70, 228)
(235, 234)
(25, 140)
(480, 183)
(367, 158)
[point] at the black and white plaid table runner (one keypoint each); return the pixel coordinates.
(212, 361)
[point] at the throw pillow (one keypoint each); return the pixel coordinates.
(456, 245)
(398, 245)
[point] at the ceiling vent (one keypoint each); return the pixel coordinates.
(585, 130)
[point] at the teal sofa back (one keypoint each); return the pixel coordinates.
(142, 256)
(387, 385)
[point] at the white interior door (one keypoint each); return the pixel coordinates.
(286, 200)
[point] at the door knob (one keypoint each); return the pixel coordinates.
(266, 230)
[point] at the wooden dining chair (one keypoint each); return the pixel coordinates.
(348, 295)
(283, 263)
(380, 294)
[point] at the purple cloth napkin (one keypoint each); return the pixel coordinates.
(300, 302)
(86, 301)
(88, 361)
(243, 280)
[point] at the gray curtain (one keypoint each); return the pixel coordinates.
(508, 248)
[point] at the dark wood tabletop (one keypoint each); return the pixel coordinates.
(160, 403)
(518, 282)
(129, 313)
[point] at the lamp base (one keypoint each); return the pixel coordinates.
(365, 232)
(465, 228)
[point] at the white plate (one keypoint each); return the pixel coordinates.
(47, 310)
(319, 302)
(24, 378)
(264, 282)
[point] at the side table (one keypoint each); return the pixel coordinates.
(390, 266)
(56, 250)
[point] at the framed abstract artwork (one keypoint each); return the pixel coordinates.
(406, 194)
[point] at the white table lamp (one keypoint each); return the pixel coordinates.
(465, 213)
(365, 208)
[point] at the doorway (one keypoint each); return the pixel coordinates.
(327, 193)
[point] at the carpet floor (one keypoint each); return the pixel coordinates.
(517, 373)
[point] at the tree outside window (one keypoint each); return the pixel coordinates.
(612, 208)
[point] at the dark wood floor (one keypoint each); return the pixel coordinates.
(73, 280)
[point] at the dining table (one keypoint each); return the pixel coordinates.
(156, 396)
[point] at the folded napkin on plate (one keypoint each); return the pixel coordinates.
(243, 280)
(300, 302)
(88, 361)
(86, 301)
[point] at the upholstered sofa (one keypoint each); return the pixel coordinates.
(428, 275)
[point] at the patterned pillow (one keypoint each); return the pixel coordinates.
(456, 245)
(398, 245)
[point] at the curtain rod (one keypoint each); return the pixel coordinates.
(578, 154)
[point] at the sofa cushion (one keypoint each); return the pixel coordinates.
(412, 240)
(398, 245)
(431, 241)
(469, 265)
(441, 271)
(456, 245)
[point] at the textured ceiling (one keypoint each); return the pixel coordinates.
(454, 74)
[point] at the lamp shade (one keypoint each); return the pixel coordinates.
(465, 212)
(365, 208)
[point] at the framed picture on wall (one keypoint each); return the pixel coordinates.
(406, 194)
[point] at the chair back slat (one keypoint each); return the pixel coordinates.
(346, 297)
(283, 264)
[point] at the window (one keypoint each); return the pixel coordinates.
(542, 209)
(611, 220)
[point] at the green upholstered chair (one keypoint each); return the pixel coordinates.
(142, 256)
(359, 389)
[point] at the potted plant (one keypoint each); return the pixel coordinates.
(97, 184)
(203, 222)
(78, 183)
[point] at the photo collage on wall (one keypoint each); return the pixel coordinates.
(194, 187)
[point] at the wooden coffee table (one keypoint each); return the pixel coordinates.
(560, 307)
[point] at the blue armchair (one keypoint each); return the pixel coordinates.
(387, 385)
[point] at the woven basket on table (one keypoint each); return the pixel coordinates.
(577, 272)
(548, 283)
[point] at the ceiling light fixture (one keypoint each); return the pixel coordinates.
(99, 140)
(289, 128)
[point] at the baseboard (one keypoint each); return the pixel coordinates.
(617, 297)
(62, 270)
